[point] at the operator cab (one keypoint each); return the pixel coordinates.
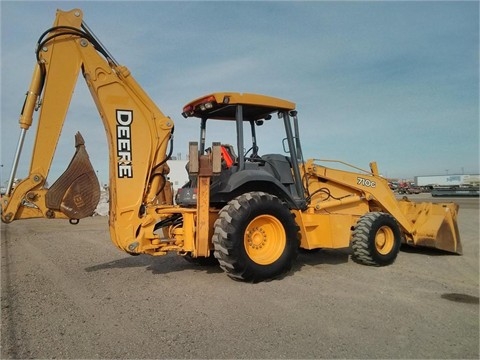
(243, 168)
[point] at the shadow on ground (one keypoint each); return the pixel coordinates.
(174, 263)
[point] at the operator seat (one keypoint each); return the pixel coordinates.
(228, 155)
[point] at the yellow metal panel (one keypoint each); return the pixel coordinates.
(235, 98)
(255, 99)
(330, 231)
(203, 201)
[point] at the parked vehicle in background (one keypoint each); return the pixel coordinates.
(414, 190)
(408, 188)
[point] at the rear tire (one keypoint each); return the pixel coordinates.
(255, 237)
(376, 239)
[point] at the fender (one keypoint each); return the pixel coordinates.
(254, 180)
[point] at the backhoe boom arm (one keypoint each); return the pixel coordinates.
(138, 133)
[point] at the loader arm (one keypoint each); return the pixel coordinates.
(138, 133)
(423, 224)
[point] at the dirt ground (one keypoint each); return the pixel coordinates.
(67, 292)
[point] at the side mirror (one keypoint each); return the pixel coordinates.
(286, 149)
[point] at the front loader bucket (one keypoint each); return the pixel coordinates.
(434, 226)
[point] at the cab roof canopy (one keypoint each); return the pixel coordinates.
(223, 106)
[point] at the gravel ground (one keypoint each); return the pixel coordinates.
(68, 293)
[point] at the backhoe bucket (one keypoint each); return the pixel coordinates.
(76, 192)
(434, 225)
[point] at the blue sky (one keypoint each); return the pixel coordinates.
(396, 82)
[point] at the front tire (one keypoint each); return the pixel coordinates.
(255, 237)
(376, 239)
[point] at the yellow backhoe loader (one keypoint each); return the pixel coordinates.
(246, 211)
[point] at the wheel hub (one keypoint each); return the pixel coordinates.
(256, 237)
(264, 239)
(384, 240)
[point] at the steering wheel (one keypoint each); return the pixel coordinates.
(246, 152)
(254, 155)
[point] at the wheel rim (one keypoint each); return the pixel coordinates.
(384, 240)
(265, 239)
